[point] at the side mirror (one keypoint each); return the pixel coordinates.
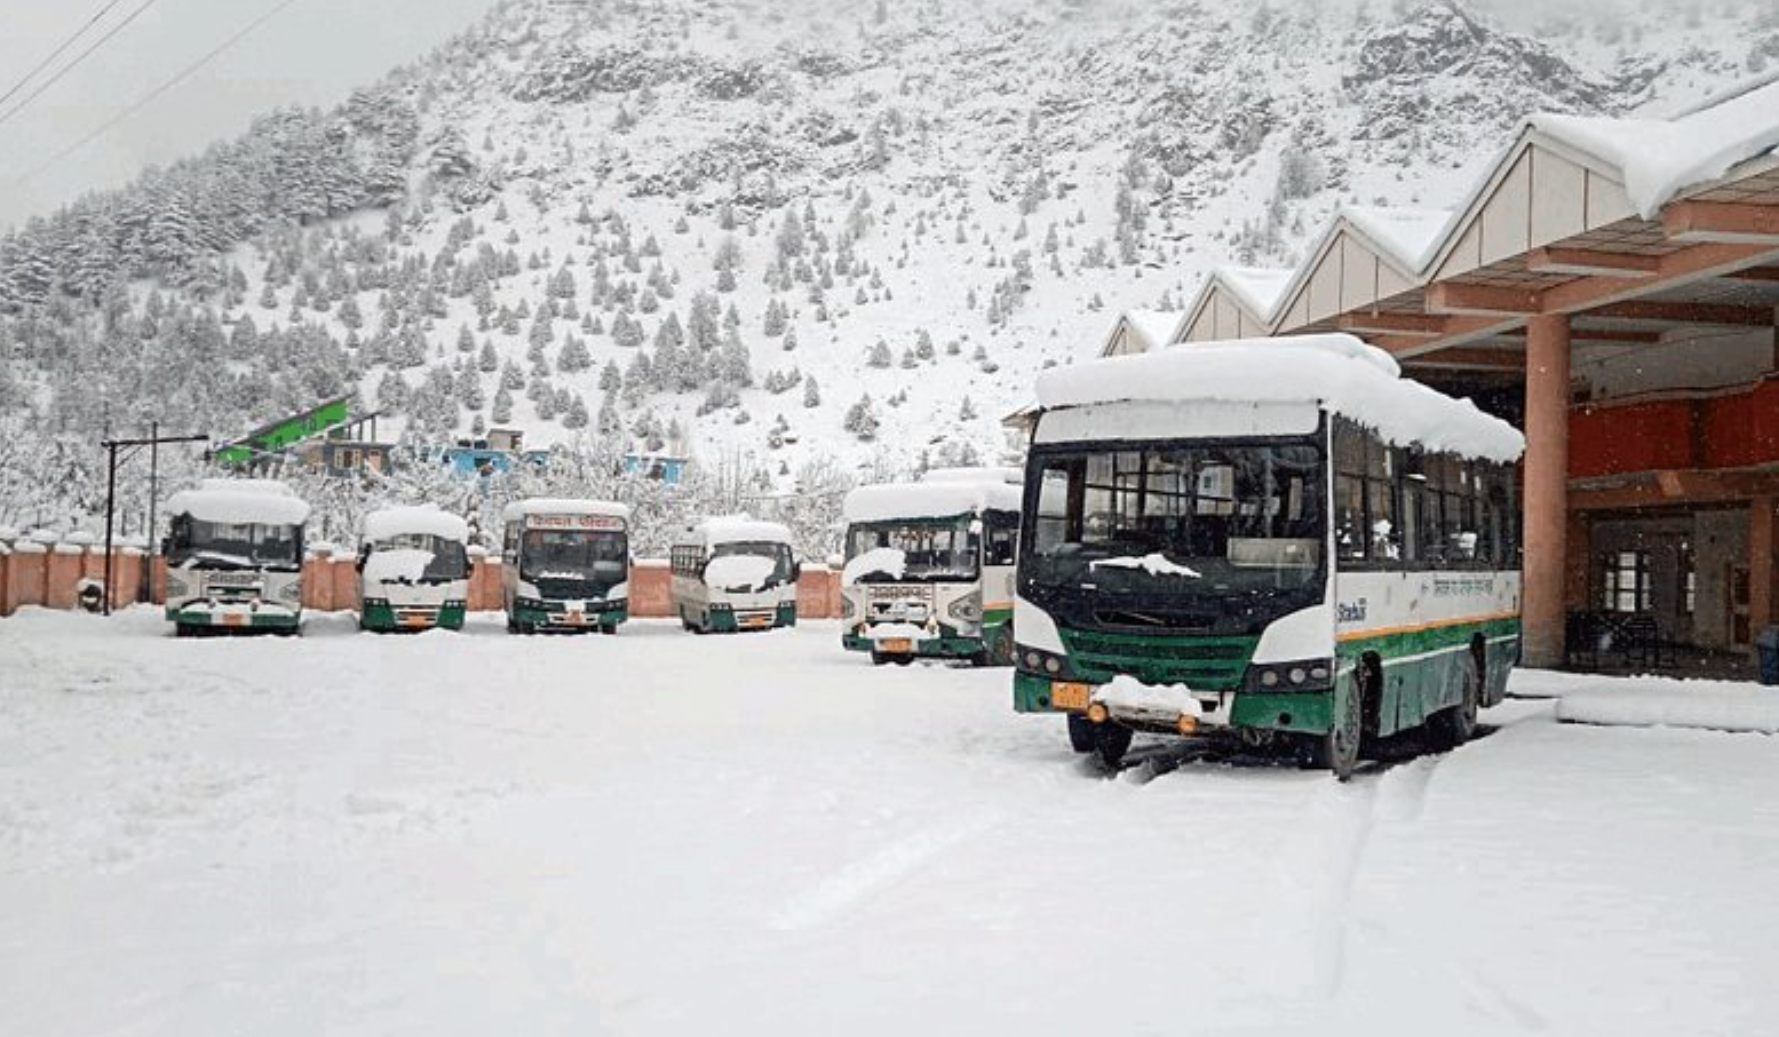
(796, 571)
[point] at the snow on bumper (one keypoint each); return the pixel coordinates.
(234, 615)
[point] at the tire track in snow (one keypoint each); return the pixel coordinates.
(836, 894)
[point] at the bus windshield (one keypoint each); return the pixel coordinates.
(196, 544)
(1189, 519)
(932, 550)
(778, 555)
(574, 554)
(449, 559)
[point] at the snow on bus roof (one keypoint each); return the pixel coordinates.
(241, 502)
(1337, 373)
(740, 529)
(891, 501)
(563, 506)
(982, 474)
(424, 520)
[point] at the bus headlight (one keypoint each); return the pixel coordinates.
(1032, 660)
(291, 592)
(1301, 675)
(967, 608)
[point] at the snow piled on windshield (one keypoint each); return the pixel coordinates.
(890, 561)
(1155, 564)
(241, 502)
(1338, 373)
(402, 565)
(739, 572)
(425, 520)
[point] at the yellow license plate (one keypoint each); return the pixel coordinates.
(895, 646)
(574, 619)
(757, 621)
(1070, 696)
(233, 619)
(414, 621)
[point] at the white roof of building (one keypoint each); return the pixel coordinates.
(1337, 373)
(241, 502)
(1155, 328)
(890, 502)
(1409, 237)
(424, 520)
(563, 506)
(1657, 159)
(1260, 289)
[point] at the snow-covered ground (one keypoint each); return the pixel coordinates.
(661, 833)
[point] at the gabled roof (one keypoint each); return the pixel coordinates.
(1145, 329)
(1255, 291)
(1657, 159)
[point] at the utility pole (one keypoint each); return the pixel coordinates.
(112, 448)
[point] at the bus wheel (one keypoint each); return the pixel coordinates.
(1110, 742)
(878, 658)
(1080, 733)
(999, 650)
(1338, 750)
(609, 629)
(1453, 726)
(512, 625)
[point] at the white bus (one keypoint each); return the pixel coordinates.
(235, 558)
(413, 570)
(929, 570)
(734, 573)
(567, 565)
(1282, 539)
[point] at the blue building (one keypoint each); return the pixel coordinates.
(661, 467)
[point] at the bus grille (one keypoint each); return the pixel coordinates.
(1200, 663)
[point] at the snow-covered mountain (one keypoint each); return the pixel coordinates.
(773, 234)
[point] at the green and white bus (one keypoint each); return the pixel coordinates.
(1283, 539)
(413, 570)
(566, 565)
(929, 570)
(734, 573)
(235, 558)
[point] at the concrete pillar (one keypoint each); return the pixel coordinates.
(1546, 488)
(1761, 558)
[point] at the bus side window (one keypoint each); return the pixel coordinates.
(1380, 504)
(1002, 546)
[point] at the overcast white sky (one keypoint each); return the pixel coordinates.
(314, 52)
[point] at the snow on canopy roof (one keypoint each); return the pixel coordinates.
(1006, 474)
(563, 506)
(740, 529)
(241, 502)
(1337, 373)
(1409, 236)
(1155, 327)
(1658, 158)
(424, 520)
(1260, 289)
(923, 500)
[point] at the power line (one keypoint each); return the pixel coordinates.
(149, 98)
(54, 54)
(78, 59)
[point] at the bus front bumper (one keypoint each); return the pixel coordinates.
(556, 615)
(947, 645)
(1310, 712)
(380, 614)
(227, 615)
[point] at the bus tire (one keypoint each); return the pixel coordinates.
(878, 658)
(1455, 725)
(1111, 741)
(1338, 750)
(609, 629)
(1080, 733)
